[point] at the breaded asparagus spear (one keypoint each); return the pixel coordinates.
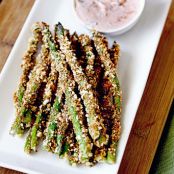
(73, 103)
(37, 77)
(107, 109)
(102, 49)
(63, 122)
(51, 131)
(93, 71)
(90, 58)
(28, 63)
(57, 124)
(107, 101)
(40, 122)
(94, 119)
(76, 116)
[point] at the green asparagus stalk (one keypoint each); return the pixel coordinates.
(76, 116)
(94, 119)
(73, 103)
(102, 49)
(37, 77)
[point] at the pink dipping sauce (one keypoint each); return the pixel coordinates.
(105, 15)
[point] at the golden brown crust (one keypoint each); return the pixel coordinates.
(78, 91)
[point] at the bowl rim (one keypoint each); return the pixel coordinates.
(119, 29)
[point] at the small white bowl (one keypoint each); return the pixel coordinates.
(118, 30)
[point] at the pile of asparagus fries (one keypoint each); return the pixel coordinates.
(69, 97)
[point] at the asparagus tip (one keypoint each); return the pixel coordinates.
(60, 29)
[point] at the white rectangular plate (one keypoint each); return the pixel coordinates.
(138, 47)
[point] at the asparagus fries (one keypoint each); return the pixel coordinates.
(106, 101)
(102, 49)
(36, 78)
(28, 63)
(69, 96)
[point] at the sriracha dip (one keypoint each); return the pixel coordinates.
(107, 15)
